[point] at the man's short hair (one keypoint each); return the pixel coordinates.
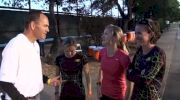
(33, 15)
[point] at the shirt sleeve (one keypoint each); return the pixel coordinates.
(11, 90)
(10, 63)
(84, 60)
(156, 64)
(57, 61)
(147, 75)
(133, 73)
(45, 79)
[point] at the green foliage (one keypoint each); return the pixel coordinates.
(173, 10)
(95, 26)
(15, 3)
(167, 9)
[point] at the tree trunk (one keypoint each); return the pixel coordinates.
(54, 50)
(120, 10)
(125, 18)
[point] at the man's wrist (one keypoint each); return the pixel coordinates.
(49, 81)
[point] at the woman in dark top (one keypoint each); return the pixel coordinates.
(148, 66)
(71, 65)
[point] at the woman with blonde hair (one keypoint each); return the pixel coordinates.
(114, 63)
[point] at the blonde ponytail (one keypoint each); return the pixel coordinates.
(117, 31)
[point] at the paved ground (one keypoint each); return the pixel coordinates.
(170, 42)
(172, 45)
(48, 92)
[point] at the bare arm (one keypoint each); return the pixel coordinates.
(57, 87)
(129, 90)
(88, 78)
(100, 76)
(99, 82)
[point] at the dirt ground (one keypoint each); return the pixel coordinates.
(94, 65)
(49, 70)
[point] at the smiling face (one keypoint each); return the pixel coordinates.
(147, 32)
(107, 37)
(142, 35)
(112, 36)
(41, 27)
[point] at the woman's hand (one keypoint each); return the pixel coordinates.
(57, 97)
(89, 95)
(54, 81)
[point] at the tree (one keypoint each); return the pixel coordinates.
(53, 19)
(54, 51)
(106, 5)
(160, 10)
(172, 10)
(167, 9)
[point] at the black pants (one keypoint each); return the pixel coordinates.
(106, 98)
(72, 98)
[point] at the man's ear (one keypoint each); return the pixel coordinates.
(32, 25)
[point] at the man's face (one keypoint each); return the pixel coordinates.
(42, 27)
